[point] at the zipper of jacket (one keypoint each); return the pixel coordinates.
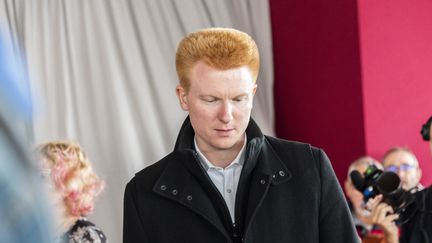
(235, 229)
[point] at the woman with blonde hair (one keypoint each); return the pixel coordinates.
(74, 187)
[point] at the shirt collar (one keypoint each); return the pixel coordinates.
(238, 160)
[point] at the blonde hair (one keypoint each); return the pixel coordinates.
(71, 174)
(221, 48)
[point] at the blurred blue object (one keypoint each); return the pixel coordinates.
(15, 101)
(13, 81)
(24, 214)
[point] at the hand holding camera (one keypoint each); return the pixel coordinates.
(382, 186)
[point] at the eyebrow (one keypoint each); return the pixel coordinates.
(213, 96)
(241, 95)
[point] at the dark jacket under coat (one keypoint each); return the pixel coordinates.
(287, 192)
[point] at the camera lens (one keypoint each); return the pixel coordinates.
(388, 183)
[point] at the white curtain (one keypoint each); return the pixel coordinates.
(102, 72)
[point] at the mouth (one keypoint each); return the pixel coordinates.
(224, 132)
(224, 129)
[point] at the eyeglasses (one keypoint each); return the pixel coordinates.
(403, 167)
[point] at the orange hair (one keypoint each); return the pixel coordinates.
(221, 48)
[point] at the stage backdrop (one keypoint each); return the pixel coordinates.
(354, 77)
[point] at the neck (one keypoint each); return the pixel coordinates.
(223, 158)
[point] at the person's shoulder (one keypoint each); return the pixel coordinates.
(85, 231)
(294, 150)
(423, 199)
(299, 158)
(288, 145)
(153, 171)
(83, 222)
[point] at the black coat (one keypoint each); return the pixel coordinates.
(287, 192)
(417, 218)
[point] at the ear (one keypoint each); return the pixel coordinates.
(254, 89)
(430, 146)
(419, 174)
(347, 186)
(182, 96)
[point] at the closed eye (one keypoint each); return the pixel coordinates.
(240, 98)
(209, 99)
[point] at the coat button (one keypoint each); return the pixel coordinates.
(174, 192)
(281, 173)
(274, 176)
(163, 187)
(189, 197)
(263, 182)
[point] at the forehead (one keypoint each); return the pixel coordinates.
(400, 157)
(205, 78)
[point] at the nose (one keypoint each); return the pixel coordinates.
(226, 112)
(401, 173)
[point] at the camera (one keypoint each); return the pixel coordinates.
(375, 181)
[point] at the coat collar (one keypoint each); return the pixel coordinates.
(183, 180)
(269, 163)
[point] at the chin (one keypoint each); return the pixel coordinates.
(224, 145)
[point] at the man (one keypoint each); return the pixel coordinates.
(225, 181)
(418, 228)
(356, 201)
(403, 162)
(376, 222)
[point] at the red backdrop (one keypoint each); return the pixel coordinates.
(353, 78)
(396, 50)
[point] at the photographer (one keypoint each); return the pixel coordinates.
(375, 220)
(418, 229)
(404, 163)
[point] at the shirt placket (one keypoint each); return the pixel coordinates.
(229, 189)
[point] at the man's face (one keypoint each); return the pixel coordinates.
(406, 166)
(219, 103)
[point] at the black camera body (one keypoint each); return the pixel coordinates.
(375, 181)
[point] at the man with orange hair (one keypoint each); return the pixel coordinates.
(225, 181)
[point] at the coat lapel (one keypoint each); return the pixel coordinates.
(269, 170)
(181, 183)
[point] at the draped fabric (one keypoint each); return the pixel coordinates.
(102, 72)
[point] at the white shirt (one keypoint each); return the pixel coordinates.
(226, 180)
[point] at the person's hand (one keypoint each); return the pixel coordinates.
(382, 215)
